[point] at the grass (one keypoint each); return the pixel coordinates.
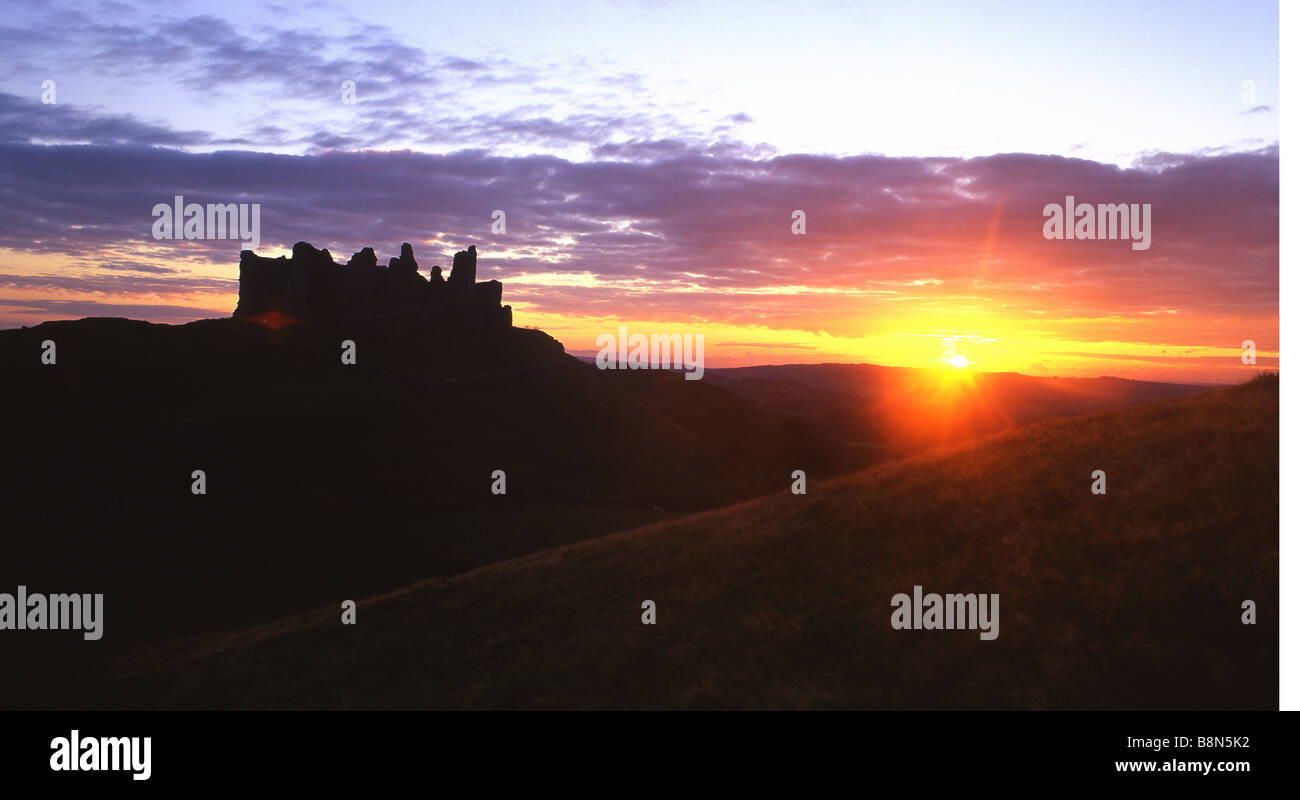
(1130, 599)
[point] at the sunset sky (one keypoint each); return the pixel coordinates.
(648, 157)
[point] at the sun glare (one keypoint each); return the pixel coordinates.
(959, 361)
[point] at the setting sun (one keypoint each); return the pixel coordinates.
(959, 361)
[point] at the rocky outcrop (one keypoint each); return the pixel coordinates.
(311, 286)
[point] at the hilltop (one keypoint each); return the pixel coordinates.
(326, 477)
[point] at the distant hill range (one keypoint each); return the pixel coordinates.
(891, 411)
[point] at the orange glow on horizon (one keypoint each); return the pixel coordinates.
(1006, 313)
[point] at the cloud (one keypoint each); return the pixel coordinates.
(276, 87)
(25, 120)
(112, 284)
(681, 227)
(41, 310)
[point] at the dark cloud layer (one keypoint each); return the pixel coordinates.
(723, 216)
(38, 311)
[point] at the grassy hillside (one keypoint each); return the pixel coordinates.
(1127, 600)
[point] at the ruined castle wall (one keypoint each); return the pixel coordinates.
(310, 285)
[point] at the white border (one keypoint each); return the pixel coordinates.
(1289, 605)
